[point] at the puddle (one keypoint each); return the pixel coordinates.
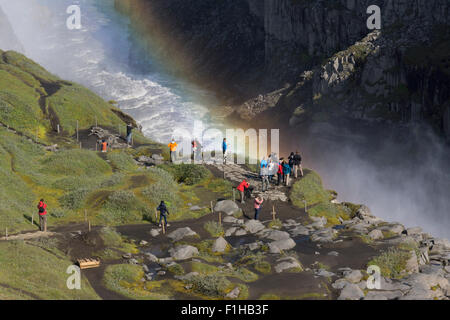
(236, 241)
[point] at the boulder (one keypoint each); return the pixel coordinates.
(324, 273)
(287, 263)
(195, 208)
(154, 232)
(181, 233)
(353, 276)
(412, 265)
(253, 226)
(226, 206)
(240, 232)
(394, 228)
(376, 234)
(220, 245)
(150, 256)
(351, 292)
(233, 294)
(229, 232)
(383, 295)
(229, 219)
(278, 246)
(183, 252)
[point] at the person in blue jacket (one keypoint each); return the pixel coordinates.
(224, 150)
(162, 208)
(286, 172)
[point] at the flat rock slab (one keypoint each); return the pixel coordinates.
(351, 292)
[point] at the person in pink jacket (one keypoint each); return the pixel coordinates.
(258, 203)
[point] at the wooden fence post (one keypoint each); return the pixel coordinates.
(57, 129)
(273, 213)
(212, 208)
(89, 225)
(32, 219)
(85, 215)
(164, 227)
(306, 206)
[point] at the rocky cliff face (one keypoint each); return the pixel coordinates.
(8, 40)
(316, 56)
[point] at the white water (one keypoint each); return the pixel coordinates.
(97, 56)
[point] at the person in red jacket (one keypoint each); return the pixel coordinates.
(280, 173)
(241, 188)
(42, 207)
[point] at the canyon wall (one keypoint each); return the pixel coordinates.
(313, 50)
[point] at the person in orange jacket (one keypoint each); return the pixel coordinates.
(241, 188)
(173, 150)
(104, 146)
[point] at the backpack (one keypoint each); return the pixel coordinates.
(41, 209)
(291, 162)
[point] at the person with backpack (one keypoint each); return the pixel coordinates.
(291, 161)
(42, 207)
(265, 178)
(280, 173)
(162, 208)
(258, 204)
(263, 162)
(129, 133)
(173, 150)
(241, 188)
(286, 172)
(298, 164)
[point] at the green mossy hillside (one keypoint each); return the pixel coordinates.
(318, 199)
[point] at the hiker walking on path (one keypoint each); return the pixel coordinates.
(258, 202)
(129, 133)
(241, 188)
(224, 150)
(265, 178)
(286, 172)
(42, 207)
(162, 208)
(173, 150)
(298, 165)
